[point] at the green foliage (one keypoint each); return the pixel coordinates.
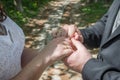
(44, 1)
(90, 12)
(93, 12)
(31, 8)
(96, 1)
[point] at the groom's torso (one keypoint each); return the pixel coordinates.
(110, 45)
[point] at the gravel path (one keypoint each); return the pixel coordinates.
(56, 13)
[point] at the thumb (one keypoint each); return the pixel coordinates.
(76, 43)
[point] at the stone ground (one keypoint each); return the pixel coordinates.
(56, 13)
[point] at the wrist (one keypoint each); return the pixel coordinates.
(84, 63)
(46, 58)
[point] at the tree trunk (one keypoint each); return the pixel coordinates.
(18, 4)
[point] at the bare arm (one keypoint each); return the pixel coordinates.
(27, 55)
(35, 67)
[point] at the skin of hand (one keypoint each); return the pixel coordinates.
(55, 50)
(68, 31)
(79, 57)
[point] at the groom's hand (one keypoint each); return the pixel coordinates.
(79, 57)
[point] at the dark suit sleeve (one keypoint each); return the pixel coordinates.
(96, 69)
(93, 34)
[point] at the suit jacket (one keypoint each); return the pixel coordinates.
(107, 64)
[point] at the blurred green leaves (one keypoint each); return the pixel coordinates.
(92, 12)
(31, 8)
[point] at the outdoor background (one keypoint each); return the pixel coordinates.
(38, 18)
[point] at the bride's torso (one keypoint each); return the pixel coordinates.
(11, 47)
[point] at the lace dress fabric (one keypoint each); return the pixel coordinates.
(11, 47)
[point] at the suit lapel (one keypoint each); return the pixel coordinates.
(115, 35)
(112, 16)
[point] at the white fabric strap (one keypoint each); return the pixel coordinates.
(117, 22)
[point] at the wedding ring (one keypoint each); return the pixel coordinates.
(65, 47)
